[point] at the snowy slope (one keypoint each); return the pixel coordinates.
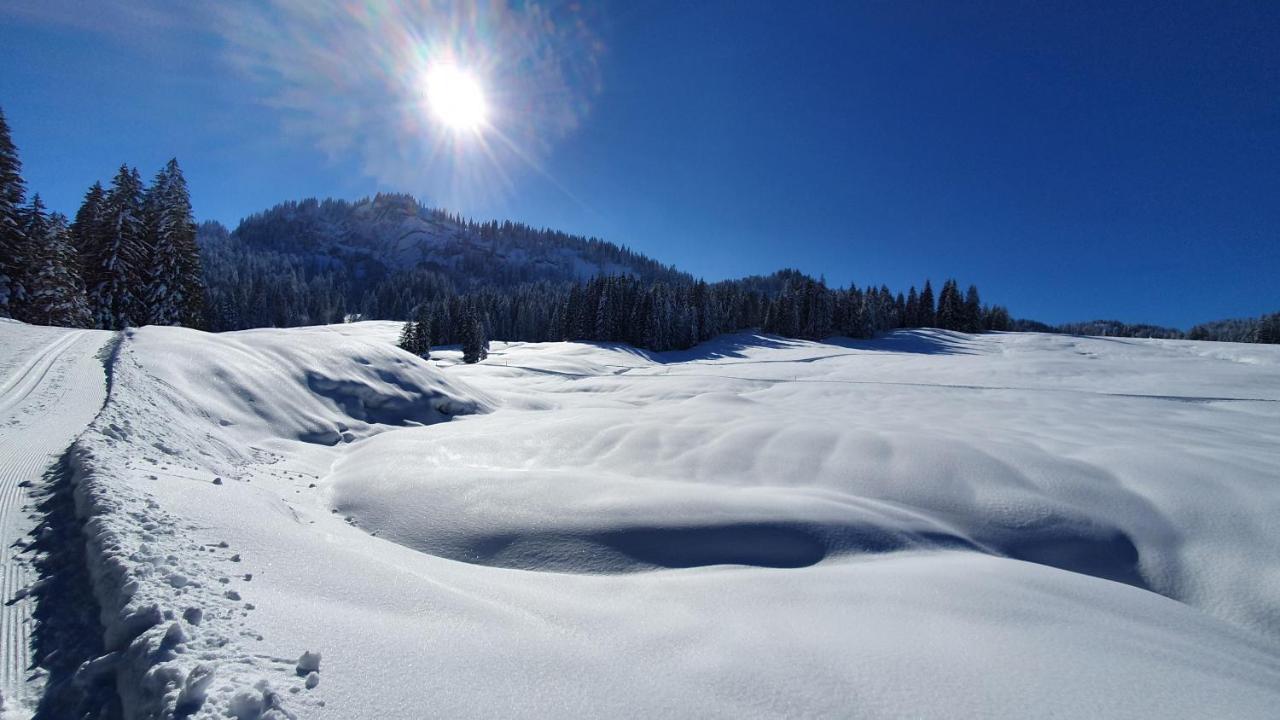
(926, 525)
(51, 385)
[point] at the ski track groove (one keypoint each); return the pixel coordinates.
(45, 402)
(30, 376)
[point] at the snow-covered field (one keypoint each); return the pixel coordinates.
(927, 525)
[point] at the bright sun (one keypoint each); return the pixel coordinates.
(456, 98)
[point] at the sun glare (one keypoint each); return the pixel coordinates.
(456, 98)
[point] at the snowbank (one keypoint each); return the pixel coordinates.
(188, 416)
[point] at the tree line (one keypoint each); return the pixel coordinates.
(1263, 329)
(664, 316)
(128, 258)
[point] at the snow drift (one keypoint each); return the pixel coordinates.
(929, 525)
(200, 410)
(1096, 463)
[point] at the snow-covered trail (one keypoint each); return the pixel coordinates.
(51, 386)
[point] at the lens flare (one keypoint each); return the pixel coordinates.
(456, 98)
(452, 101)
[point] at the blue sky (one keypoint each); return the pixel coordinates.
(1076, 160)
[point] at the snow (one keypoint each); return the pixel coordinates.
(191, 407)
(930, 524)
(51, 386)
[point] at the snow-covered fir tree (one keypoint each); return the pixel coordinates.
(163, 284)
(88, 227)
(175, 289)
(475, 341)
(415, 335)
(182, 226)
(117, 259)
(14, 248)
(422, 332)
(55, 293)
(409, 337)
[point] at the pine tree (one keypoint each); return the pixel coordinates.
(911, 311)
(56, 294)
(162, 285)
(972, 311)
(415, 335)
(927, 316)
(950, 307)
(409, 337)
(175, 289)
(117, 259)
(475, 344)
(996, 318)
(87, 229)
(191, 285)
(14, 248)
(422, 332)
(1268, 330)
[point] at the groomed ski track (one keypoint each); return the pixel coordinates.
(52, 384)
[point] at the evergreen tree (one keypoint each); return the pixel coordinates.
(950, 314)
(409, 337)
(118, 257)
(1268, 329)
(911, 311)
(55, 292)
(181, 223)
(927, 316)
(415, 335)
(422, 332)
(87, 229)
(996, 319)
(475, 344)
(14, 248)
(162, 285)
(175, 289)
(972, 310)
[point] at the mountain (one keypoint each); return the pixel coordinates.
(382, 255)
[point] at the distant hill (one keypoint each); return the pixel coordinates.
(1103, 328)
(312, 261)
(1264, 329)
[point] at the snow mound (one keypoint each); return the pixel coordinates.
(323, 388)
(1084, 454)
(622, 490)
(186, 410)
